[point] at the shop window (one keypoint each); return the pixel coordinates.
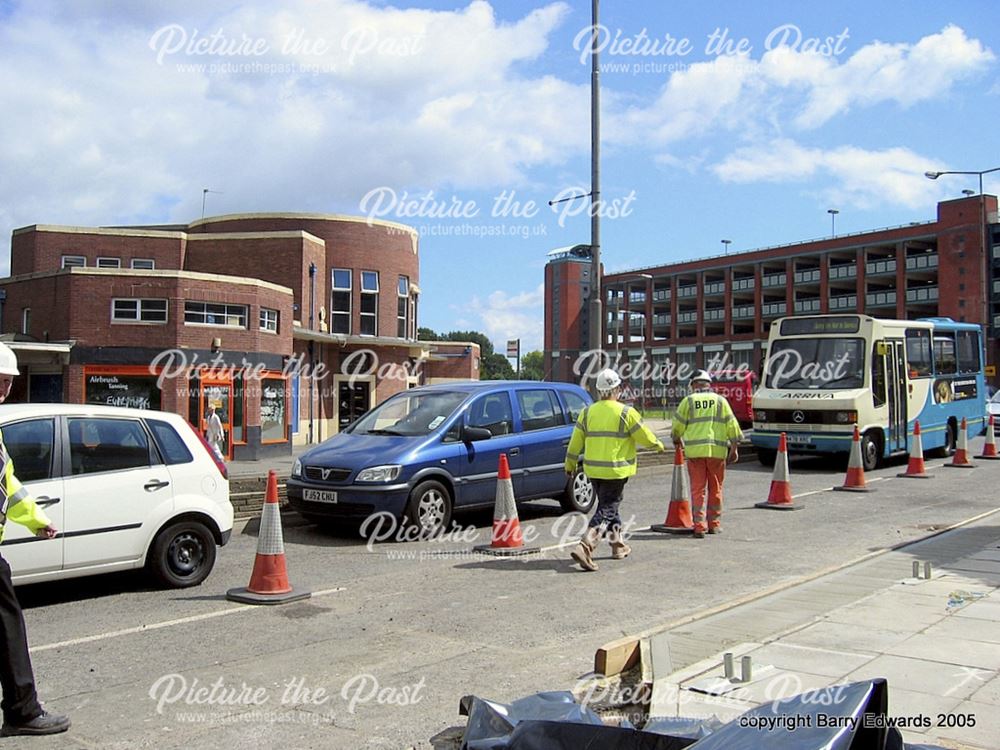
(74, 261)
(134, 388)
(239, 420)
(369, 303)
(109, 262)
(340, 301)
(143, 264)
(402, 307)
(273, 408)
(139, 310)
(268, 320)
(215, 314)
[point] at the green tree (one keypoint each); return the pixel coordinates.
(532, 366)
(495, 367)
(427, 334)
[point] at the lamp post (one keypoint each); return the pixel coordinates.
(204, 195)
(725, 246)
(984, 268)
(833, 221)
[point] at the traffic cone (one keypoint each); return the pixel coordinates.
(679, 519)
(855, 480)
(269, 579)
(961, 459)
(915, 469)
(507, 538)
(780, 497)
(990, 446)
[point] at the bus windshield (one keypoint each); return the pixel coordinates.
(816, 363)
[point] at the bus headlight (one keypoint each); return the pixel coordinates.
(759, 415)
(847, 417)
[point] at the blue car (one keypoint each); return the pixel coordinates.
(427, 452)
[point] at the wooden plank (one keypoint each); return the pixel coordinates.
(617, 656)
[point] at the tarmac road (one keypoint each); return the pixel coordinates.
(396, 634)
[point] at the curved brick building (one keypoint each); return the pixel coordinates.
(292, 325)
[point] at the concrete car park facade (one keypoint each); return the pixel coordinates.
(291, 325)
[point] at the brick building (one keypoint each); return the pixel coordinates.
(291, 324)
(688, 312)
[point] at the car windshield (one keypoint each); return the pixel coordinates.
(817, 363)
(996, 398)
(409, 414)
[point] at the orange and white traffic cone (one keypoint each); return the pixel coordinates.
(990, 446)
(507, 537)
(780, 496)
(961, 459)
(679, 519)
(855, 480)
(269, 579)
(915, 469)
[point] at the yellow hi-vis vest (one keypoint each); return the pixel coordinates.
(15, 501)
(605, 437)
(707, 424)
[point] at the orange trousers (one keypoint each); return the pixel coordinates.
(710, 472)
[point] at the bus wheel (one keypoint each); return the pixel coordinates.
(950, 439)
(767, 456)
(871, 450)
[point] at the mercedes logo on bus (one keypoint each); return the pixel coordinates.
(798, 417)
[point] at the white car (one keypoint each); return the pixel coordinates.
(125, 488)
(993, 408)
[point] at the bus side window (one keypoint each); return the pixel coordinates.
(968, 351)
(878, 377)
(918, 352)
(944, 355)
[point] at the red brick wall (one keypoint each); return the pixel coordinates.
(462, 367)
(33, 250)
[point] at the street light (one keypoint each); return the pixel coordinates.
(725, 246)
(833, 221)
(204, 195)
(982, 236)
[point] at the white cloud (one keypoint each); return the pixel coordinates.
(505, 316)
(856, 177)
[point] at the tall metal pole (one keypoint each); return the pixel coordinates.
(596, 315)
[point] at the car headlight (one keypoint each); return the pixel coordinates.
(297, 468)
(379, 473)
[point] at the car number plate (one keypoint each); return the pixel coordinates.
(319, 496)
(798, 439)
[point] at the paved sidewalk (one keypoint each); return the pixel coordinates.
(936, 641)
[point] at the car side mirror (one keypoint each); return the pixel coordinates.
(472, 434)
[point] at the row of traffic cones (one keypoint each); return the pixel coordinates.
(269, 582)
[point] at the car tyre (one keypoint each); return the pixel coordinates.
(429, 509)
(182, 555)
(579, 495)
(767, 457)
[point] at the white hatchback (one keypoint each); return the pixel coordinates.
(126, 488)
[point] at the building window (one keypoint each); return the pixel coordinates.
(212, 314)
(369, 303)
(143, 264)
(139, 310)
(402, 307)
(268, 320)
(109, 262)
(73, 261)
(340, 301)
(273, 403)
(26, 321)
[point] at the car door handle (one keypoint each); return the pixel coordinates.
(155, 484)
(514, 451)
(44, 502)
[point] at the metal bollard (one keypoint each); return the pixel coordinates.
(927, 570)
(746, 669)
(727, 665)
(916, 569)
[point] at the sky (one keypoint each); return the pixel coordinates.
(725, 120)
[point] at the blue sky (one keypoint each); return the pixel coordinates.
(455, 117)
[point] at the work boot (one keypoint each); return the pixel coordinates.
(714, 529)
(44, 723)
(584, 551)
(619, 550)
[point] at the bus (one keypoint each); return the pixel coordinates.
(826, 373)
(738, 387)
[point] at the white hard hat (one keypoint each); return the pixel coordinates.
(701, 375)
(8, 361)
(608, 380)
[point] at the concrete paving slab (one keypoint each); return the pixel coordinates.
(983, 735)
(938, 589)
(904, 702)
(949, 651)
(852, 637)
(984, 609)
(886, 614)
(989, 692)
(809, 659)
(965, 628)
(918, 675)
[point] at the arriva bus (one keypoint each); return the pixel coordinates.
(826, 373)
